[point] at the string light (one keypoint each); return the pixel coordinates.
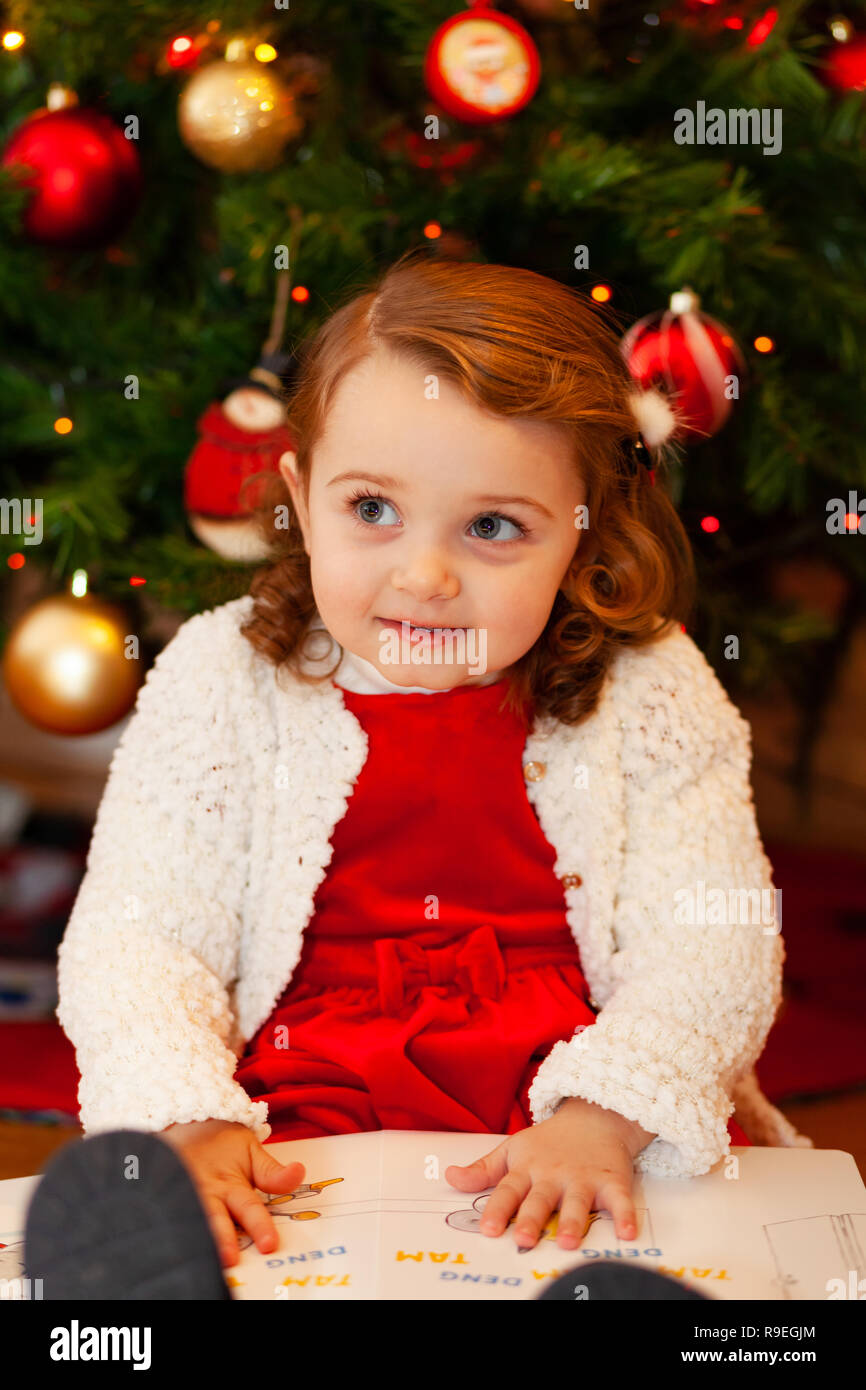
(184, 52)
(763, 344)
(12, 39)
(63, 425)
(840, 28)
(709, 523)
(432, 230)
(762, 29)
(16, 561)
(300, 294)
(601, 293)
(265, 52)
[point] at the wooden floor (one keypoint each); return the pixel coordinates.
(834, 1122)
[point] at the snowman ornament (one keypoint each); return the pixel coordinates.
(241, 440)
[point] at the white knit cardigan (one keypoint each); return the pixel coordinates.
(213, 835)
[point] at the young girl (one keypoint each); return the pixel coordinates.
(430, 829)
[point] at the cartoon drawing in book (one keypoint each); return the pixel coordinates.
(813, 1255)
(12, 1259)
(275, 1204)
(468, 1219)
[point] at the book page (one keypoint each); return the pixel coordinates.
(763, 1224)
(375, 1218)
(327, 1228)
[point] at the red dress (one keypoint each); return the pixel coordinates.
(438, 969)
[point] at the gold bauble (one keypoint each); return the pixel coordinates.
(65, 668)
(237, 116)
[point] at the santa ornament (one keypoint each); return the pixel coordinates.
(693, 359)
(482, 65)
(241, 437)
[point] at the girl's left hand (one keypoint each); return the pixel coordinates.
(580, 1160)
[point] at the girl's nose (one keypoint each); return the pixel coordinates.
(426, 579)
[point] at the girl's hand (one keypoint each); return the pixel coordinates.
(227, 1163)
(580, 1159)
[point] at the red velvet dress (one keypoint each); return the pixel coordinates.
(438, 969)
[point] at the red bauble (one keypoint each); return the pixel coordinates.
(85, 176)
(845, 68)
(481, 65)
(690, 357)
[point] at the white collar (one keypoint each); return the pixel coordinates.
(363, 677)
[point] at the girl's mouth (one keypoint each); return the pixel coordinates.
(397, 625)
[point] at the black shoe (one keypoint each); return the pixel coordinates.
(92, 1232)
(605, 1279)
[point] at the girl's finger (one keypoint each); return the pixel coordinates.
(484, 1172)
(574, 1213)
(222, 1229)
(501, 1203)
(617, 1199)
(271, 1176)
(249, 1211)
(543, 1198)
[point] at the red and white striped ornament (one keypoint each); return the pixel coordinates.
(693, 358)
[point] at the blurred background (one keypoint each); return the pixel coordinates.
(187, 191)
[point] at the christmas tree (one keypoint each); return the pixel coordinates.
(140, 291)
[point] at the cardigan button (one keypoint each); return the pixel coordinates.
(533, 772)
(571, 880)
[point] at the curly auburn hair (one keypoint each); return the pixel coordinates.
(518, 344)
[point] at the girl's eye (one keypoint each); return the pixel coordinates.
(370, 509)
(364, 500)
(495, 520)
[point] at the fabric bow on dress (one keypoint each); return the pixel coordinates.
(475, 964)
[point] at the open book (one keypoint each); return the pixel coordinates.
(375, 1219)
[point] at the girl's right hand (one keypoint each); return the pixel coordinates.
(227, 1163)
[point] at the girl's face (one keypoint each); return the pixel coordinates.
(425, 509)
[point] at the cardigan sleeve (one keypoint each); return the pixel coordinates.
(696, 972)
(150, 951)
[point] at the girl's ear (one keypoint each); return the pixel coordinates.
(288, 466)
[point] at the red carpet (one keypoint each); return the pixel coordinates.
(817, 1044)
